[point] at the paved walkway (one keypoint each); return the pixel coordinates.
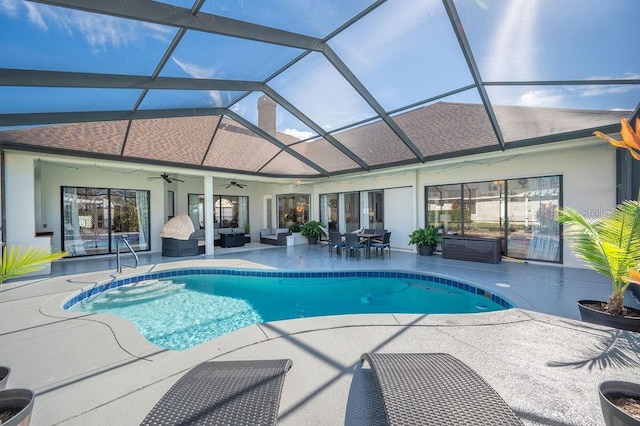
(98, 370)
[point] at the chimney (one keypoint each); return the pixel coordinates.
(267, 114)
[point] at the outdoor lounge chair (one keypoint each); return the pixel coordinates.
(435, 388)
(224, 392)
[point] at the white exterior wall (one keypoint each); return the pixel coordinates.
(19, 200)
(20, 204)
(587, 168)
(55, 175)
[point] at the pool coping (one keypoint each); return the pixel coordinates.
(121, 328)
(172, 273)
(94, 370)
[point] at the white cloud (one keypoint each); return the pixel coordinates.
(193, 70)
(196, 71)
(610, 89)
(541, 98)
(9, 7)
(98, 31)
(626, 76)
(35, 16)
(607, 90)
(298, 134)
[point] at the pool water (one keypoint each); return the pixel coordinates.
(184, 311)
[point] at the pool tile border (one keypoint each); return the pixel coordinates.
(287, 274)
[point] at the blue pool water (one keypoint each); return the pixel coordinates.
(178, 312)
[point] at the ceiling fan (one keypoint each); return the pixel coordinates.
(234, 183)
(167, 178)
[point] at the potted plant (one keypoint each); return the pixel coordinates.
(4, 377)
(620, 402)
(296, 233)
(16, 405)
(427, 239)
(312, 230)
(611, 246)
(295, 228)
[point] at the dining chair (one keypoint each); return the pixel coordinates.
(352, 242)
(385, 243)
(335, 242)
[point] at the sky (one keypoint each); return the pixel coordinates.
(404, 52)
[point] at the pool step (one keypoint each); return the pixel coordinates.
(141, 291)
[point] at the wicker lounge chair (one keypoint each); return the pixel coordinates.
(436, 388)
(225, 393)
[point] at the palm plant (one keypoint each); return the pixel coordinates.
(17, 262)
(611, 244)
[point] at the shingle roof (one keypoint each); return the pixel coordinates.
(437, 129)
(345, 86)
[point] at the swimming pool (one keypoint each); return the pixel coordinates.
(182, 308)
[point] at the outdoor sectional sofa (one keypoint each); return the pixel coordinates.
(192, 246)
(274, 236)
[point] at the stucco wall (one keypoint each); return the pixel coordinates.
(587, 168)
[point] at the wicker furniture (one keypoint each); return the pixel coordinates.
(385, 243)
(435, 389)
(477, 249)
(224, 393)
(232, 240)
(274, 236)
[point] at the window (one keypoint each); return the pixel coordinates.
(349, 211)
(329, 212)
(521, 211)
(229, 211)
(374, 210)
(293, 209)
(94, 219)
(444, 207)
(534, 232)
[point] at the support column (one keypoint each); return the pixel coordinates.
(208, 217)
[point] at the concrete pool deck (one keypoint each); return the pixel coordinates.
(98, 370)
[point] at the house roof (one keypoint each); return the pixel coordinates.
(347, 86)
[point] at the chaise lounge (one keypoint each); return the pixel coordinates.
(435, 388)
(179, 237)
(224, 393)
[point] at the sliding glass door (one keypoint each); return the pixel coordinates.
(522, 212)
(94, 218)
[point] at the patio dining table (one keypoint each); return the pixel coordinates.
(368, 237)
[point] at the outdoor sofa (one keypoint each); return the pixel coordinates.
(274, 236)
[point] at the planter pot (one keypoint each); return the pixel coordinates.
(614, 415)
(313, 240)
(596, 316)
(425, 250)
(635, 289)
(299, 239)
(19, 401)
(4, 377)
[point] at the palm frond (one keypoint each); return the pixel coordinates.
(610, 245)
(17, 262)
